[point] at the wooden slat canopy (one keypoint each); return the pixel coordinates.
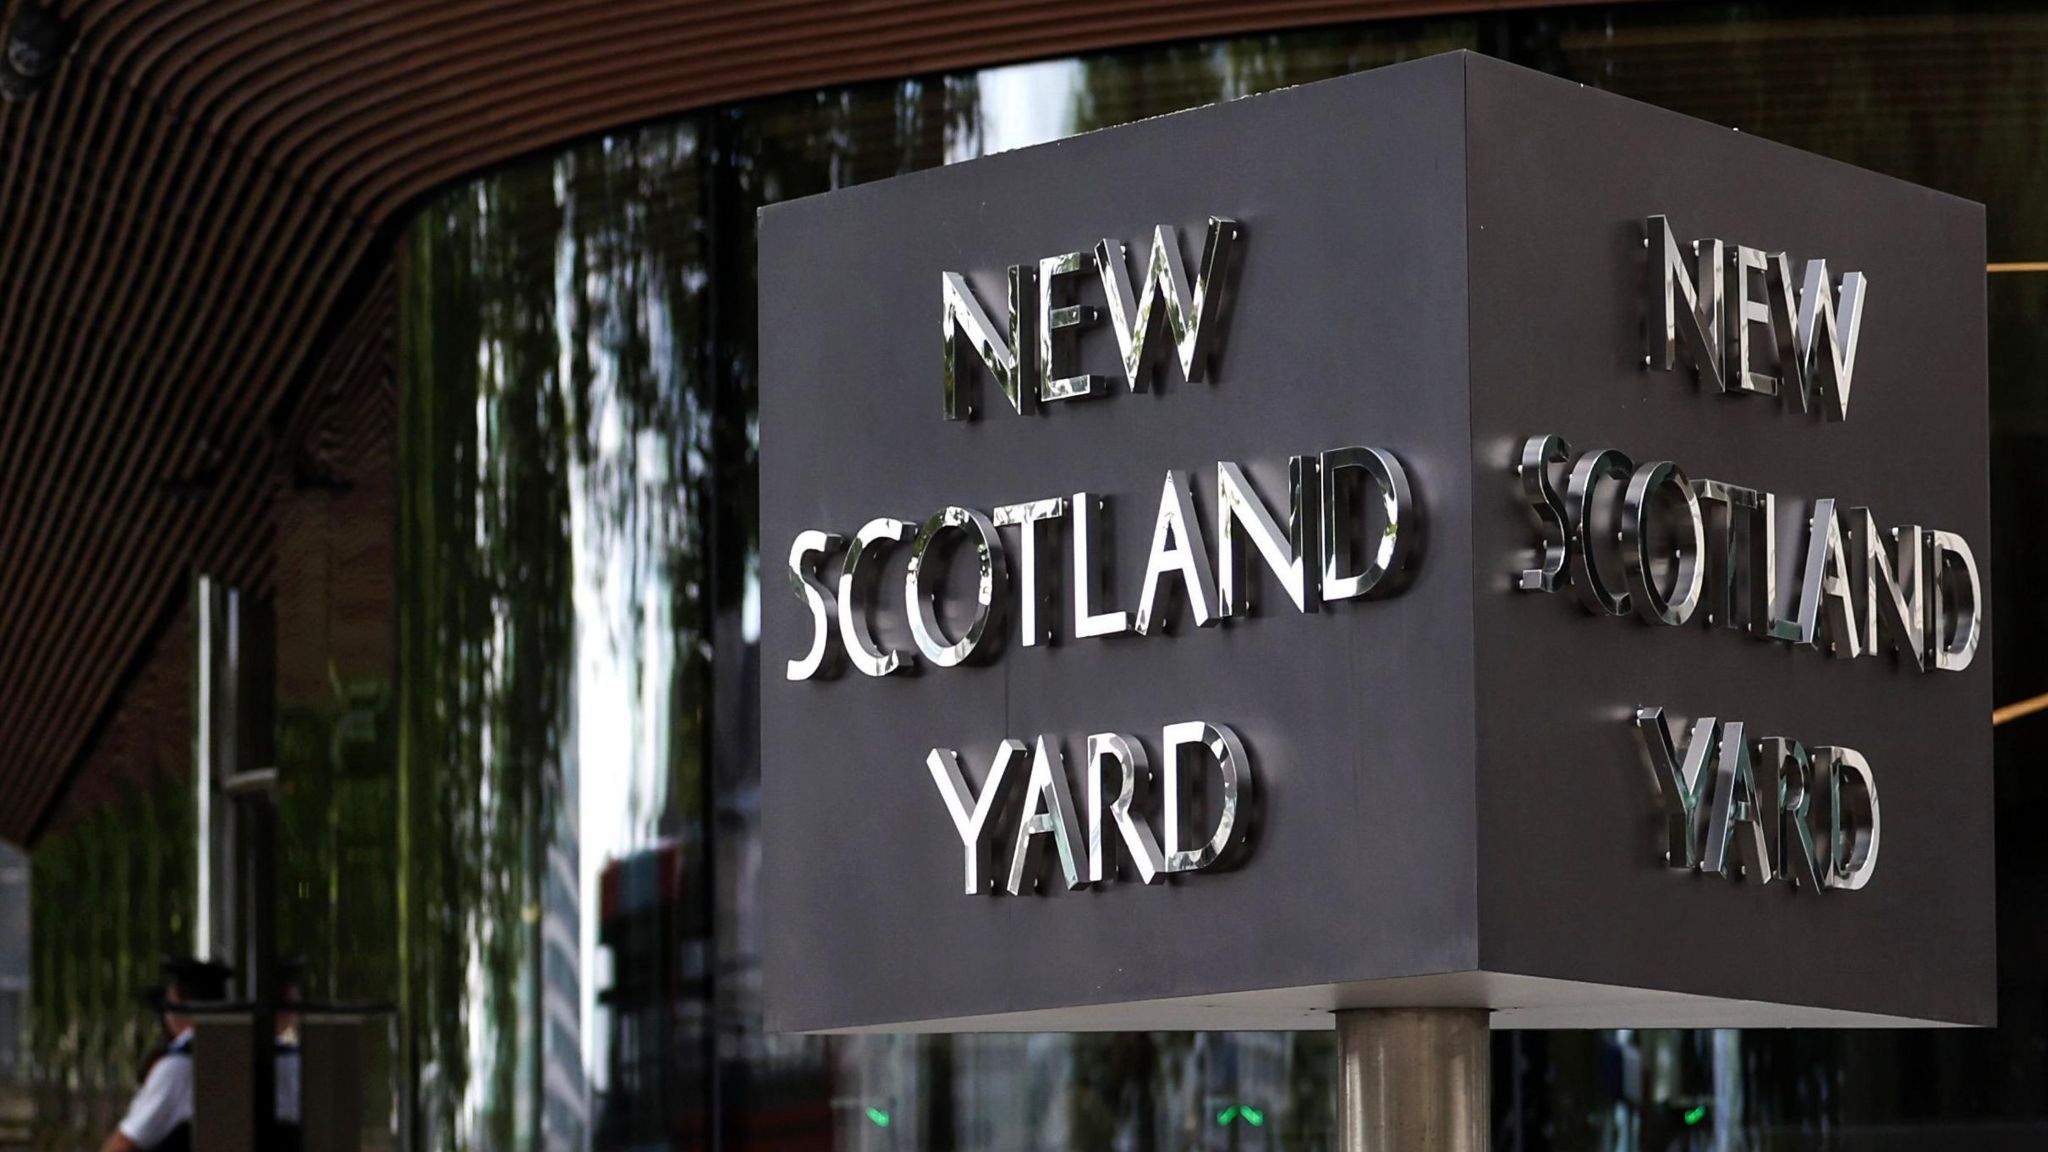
(195, 223)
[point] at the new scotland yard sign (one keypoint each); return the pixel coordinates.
(1442, 536)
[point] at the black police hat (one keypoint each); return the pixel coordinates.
(197, 979)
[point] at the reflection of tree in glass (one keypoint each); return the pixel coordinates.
(581, 331)
(778, 150)
(1118, 89)
(1179, 76)
(482, 653)
(122, 876)
(552, 327)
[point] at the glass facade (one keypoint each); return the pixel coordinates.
(515, 657)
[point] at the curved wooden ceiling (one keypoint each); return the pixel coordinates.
(197, 214)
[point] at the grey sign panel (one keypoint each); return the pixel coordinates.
(1438, 260)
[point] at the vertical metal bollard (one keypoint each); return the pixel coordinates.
(1413, 1080)
(255, 796)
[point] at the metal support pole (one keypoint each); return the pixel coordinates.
(1413, 1080)
(255, 797)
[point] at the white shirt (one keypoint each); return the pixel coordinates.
(287, 1074)
(165, 1100)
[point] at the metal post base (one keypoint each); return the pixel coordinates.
(1413, 1080)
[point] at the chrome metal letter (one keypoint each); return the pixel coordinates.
(1892, 594)
(1006, 355)
(1785, 763)
(1035, 597)
(820, 659)
(1639, 567)
(1739, 803)
(1292, 559)
(1825, 602)
(1681, 783)
(1679, 309)
(973, 817)
(1743, 558)
(1853, 817)
(1056, 320)
(1953, 628)
(1087, 621)
(1763, 566)
(1745, 266)
(1177, 546)
(1191, 323)
(1828, 335)
(1391, 554)
(1783, 294)
(1133, 773)
(856, 574)
(1048, 810)
(1233, 822)
(1546, 506)
(1587, 583)
(985, 633)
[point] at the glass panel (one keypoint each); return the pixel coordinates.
(110, 888)
(571, 320)
(517, 738)
(335, 729)
(1954, 101)
(555, 655)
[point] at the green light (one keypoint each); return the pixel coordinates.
(1695, 1114)
(878, 1117)
(1224, 1117)
(1252, 1116)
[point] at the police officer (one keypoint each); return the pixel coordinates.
(291, 978)
(159, 1119)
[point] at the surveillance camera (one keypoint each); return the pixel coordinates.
(37, 42)
(14, 87)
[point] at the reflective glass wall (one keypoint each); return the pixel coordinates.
(143, 856)
(515, 601)
(581, 589)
